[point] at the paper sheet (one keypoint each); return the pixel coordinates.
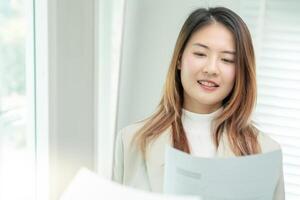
(251, 177)
(89, 186)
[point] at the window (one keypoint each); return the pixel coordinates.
(17, 118)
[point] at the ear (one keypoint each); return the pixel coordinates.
(178, 65)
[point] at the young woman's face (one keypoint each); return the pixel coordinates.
(208, 68)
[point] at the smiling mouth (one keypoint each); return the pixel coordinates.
(208, 84)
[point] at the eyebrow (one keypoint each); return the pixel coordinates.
(206, 47)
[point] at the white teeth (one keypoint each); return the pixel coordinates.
(207, 83)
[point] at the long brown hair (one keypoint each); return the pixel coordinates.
(238, 106)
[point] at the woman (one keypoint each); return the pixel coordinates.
(208, 99)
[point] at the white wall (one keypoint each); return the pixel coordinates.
(71, 90)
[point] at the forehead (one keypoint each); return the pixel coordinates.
(216, 36)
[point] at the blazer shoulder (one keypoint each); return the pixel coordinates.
(128, 132)
(267, 142)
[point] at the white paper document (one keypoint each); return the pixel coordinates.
(251, 177)
(89, 186)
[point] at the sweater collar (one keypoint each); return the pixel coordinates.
(201, 116)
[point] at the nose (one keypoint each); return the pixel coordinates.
(211, 67)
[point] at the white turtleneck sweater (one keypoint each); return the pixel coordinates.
(199, 133)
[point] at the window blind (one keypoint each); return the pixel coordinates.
(275, 28)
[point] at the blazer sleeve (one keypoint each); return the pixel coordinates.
(268, 144)
(118, 167)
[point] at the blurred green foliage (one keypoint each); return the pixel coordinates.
(12, 52)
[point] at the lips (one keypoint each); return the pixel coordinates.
(208, 83)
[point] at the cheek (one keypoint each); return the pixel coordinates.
(188, 70)
(191, 64)
(229, 75)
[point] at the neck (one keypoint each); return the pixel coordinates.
(205, 109)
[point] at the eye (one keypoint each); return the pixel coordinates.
(228, 60)
(200, 54)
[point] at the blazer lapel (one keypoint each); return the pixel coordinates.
(155, 159)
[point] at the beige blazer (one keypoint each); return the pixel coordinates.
(132, 170)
